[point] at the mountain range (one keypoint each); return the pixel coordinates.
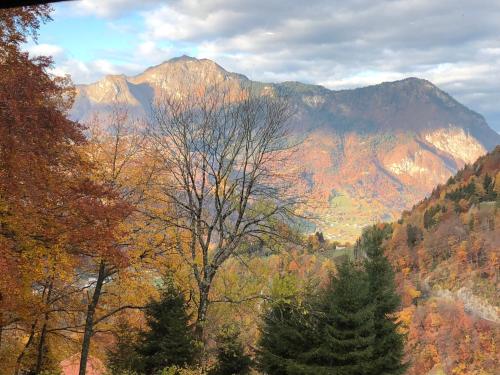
(364, 155)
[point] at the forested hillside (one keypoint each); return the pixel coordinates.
(446, 253)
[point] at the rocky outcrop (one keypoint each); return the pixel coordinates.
(473, 304)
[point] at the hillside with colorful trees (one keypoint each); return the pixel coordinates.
(446, 255)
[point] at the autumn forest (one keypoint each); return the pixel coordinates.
(180, 242)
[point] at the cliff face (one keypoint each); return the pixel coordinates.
(366, 154)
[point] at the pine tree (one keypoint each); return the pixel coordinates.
(346, 326)
(287, 333)
(389, 343)
(489, 189)
(169, 340)
(123, 357)
(231, 357)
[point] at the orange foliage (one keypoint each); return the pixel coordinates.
(52, 215)
(460, 252)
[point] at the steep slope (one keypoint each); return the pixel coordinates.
(366, 154)
(446, 253)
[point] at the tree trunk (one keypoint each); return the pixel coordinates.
(43, 333)
(89, 322)
(201, 321)
(41, 346)
(1, 323)
(28, 343)
(202, 310)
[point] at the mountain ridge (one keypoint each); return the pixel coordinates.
(368, 153)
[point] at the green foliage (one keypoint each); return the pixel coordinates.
(123, 357)
(471, 223)
(384, 229)
(284, 288)
(430, 218)
(345, 326)
(287, 332)
(465, 192)
(50, 372)
(231, 357)
(388, 343)
(489, 189)
(169, 340)
(413, 235)
(349, 329)
(178, 370)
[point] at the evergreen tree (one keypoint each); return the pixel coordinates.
(346, 326)
(414, 234)
(123, 357)
(287, 333)
(389, 343)
(231, 357)
(169, 340)
(489, 189)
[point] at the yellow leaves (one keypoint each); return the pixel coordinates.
(479, 188)
(493, 260)
(412, 292)
(397, 230)
(460, 369)
(462, 252)
(437, 370)
(464, 205)
(465, 218)
(442, 195)
(433, 318)
(328, 268)
(497, 182)
(431, 356)
(405, 271)
(453, 273)
(405, 317)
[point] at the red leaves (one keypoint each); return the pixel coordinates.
(455, 339)
(48, 200)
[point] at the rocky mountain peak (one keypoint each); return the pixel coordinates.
(367, 153)
(185, 70)
(186, 62)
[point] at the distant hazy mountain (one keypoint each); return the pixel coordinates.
(366, 154)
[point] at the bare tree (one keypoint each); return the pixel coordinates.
(222, 179)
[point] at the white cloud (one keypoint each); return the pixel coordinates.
(453, 43)
(149, 50)
(44, 49)
(91, 71)
(109, 8)
(337, 43)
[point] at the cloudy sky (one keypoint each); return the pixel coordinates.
(335, 43)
